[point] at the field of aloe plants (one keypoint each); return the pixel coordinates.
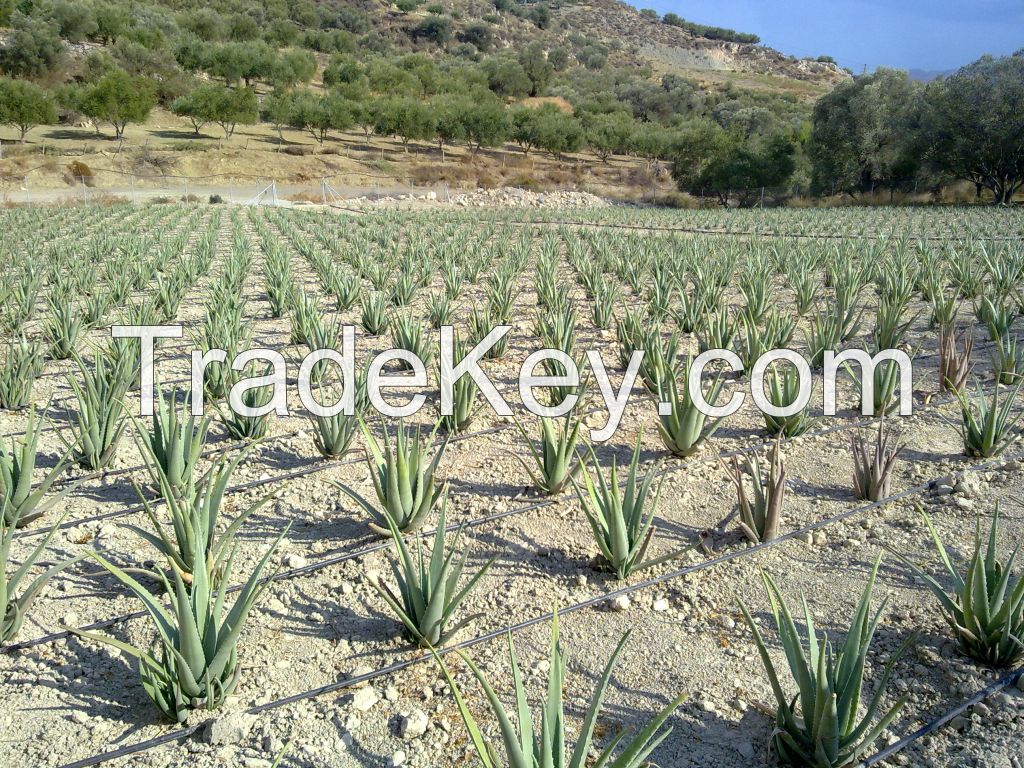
(471, 588)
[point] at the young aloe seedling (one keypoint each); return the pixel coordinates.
(546, 746)
(23, 502)
(198, 635)
(985, 605)
(760, 513)
(14, 600)
(429, 592)
(556, 460)
(404, 479)
(872, 470)
(622, 519)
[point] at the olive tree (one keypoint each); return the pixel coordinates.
(25, 105)
(974, 125)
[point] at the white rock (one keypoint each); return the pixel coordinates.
(398, 758)
(620, 603)
(414, 724)
(364, 699)
(231, 728)
(660, 606)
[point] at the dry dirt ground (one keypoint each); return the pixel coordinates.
(65, 700)
(165, 156)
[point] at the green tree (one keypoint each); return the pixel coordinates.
(437, 29)
(547, 128)
(33, 47)
(974, 125)
(212, 103)
(608, 134)
(112, 21)
(119, 99)
(863, 136)
(708, 160)
(407, 118)
(534, 61)
(450, 126)
(320, 114)
(25, 105)
(75, 21)
(506, 77)
(486, 120)
(291, 68)
(651, 141)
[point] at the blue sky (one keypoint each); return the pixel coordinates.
(909, 34)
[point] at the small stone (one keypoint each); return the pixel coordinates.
(232, 728)
(959, 723)
(414, 724)
(79, 717)
(620, 603)
(660, 606)
(398, 758)
(982, 710)
(727, 622)
(295, 561)
(746, 750)
(364, 699)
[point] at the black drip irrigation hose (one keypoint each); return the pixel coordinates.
(928, 728)
(323, 465)
(745, 233)
(353, 554)
(181, 733)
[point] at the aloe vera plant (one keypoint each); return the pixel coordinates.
(528, 746)
(374, 317)
(22, 502)
(410, 336)
(404, 480)
(23, 362)
(985, 604)
(440, 309)
(820, 726)
(985, 427)
(556, 461)
(761, 511)
(196, 539)
(1008, 360)
(63, 328)
(872, 469)
(783, 390)
(682, 425)
(99, 421)
(197, 635)
(428, 588)
(622, 518)
(16, 600)
(954, 363)
(464, 393)
(176, 440)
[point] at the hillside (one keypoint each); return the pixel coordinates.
(621, 83)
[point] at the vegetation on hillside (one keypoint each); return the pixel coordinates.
(471, 73)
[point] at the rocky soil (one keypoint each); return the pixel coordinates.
(66, 699)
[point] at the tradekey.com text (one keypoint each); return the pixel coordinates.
(414, 377)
